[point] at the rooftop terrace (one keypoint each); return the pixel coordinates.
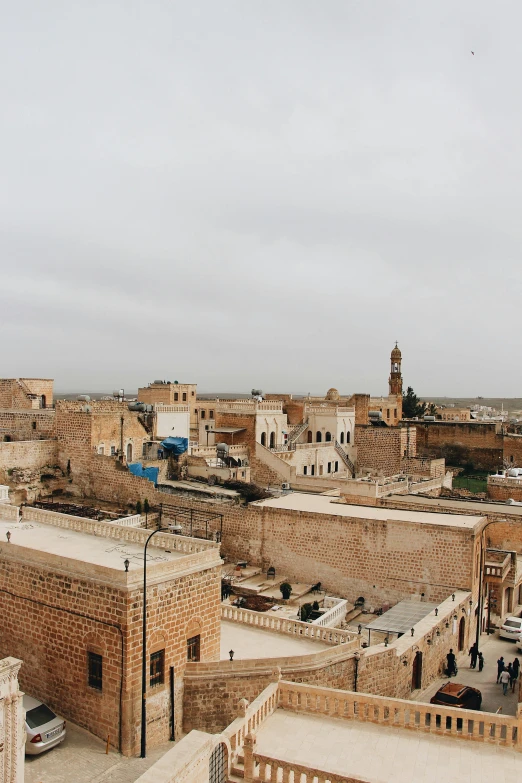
(323, 504)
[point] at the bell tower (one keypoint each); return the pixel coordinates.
(395, 379)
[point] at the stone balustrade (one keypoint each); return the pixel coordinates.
(4, 493)
(321, 445)
(135, 520)
(335, 614)
(329, 410)
(400, 713)
(255, 713)
(272, 622)
(135, 535)
(249, 406)
(270, 770)
(9, 512)
(505, 481)
(161, 408)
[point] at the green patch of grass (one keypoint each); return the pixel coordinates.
(472, 483)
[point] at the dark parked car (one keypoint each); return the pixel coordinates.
(454, 695)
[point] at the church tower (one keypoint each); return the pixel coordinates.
(395, 379)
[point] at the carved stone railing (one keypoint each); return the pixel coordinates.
(297, 628)
(335, 614)
(254, 714)
(9, 512)
(270, 770)
(170, 541)
(400, 713)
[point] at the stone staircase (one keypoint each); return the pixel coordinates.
(345, 458)
(298, 430)
(237, 770)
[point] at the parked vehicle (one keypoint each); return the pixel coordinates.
(511, 628)
(451, 694)
(519, 643)
(44, 728)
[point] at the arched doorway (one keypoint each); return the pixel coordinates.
(328, 437)
(416, 674)
(310, 436)
(43, 401)
(263, 438)
(217, 764)
(272, 440)
(318, 437)
(462, 631)
(129, 452)
(508, 600)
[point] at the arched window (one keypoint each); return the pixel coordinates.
(263, 438)
(348, 436)
(318, 437)
(43, 401)
(272, 440)
(129, 452)
(310, 436)
(328, 437)
(341, 436)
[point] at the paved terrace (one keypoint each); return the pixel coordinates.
(323, 504)
(481, 507)
(261, 643)
(93, 549)
(383, 754)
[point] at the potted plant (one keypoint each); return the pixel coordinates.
(286, 590)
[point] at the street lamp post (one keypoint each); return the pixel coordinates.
(144, 648)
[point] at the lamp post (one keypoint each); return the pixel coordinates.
(144, 648)
(357, 658)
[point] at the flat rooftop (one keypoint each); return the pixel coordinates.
(249, 643)
(82, 546)
(383, 754)
(484, 507)
(323, 504)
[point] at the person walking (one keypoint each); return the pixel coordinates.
(474, 653)
(500, 667)
(451, 663)
(480, 661)
(505, 680)
(515, 669)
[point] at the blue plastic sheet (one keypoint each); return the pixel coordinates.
(175, 446)
(137, 469)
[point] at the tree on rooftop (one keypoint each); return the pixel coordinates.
(412, 406)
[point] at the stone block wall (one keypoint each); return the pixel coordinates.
(33, 455)
(378, 449)
(27, 425)
(477, 443)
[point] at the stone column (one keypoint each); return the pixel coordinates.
(249, 748)
(12, 729)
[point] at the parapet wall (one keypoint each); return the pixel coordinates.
(31, 454)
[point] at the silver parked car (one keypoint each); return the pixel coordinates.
(44, 728)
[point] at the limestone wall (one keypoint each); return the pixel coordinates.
(26, 424)
(32, 454)
(12, 728)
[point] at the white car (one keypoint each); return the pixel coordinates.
(44, 728)
(511, 628)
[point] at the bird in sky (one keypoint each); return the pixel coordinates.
(473, 53)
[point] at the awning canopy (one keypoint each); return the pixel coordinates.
(228, 430)
(401, 617)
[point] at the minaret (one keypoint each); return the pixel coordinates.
(395, 379)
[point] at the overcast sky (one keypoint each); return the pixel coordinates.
(262, 193)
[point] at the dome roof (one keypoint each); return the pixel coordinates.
(332, 394)
(396, 354)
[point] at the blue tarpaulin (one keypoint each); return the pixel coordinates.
(137, 469)
(175, 446)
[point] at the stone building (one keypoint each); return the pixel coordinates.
(26, 393)
(72, 602)
(173, 393)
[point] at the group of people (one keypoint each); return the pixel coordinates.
(507, 675)
(476, 655)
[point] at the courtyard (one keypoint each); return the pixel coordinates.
(493, 700)
(81, 758)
